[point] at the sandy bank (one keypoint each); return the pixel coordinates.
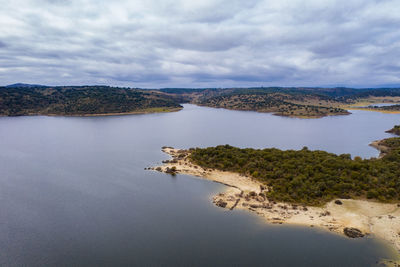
(344, 216)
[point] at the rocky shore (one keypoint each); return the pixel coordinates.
(352, 218)
(384, 150)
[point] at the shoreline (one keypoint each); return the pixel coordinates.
(139, 112)
(347, 217)
(383, 150)
(276, 113)
(375, 110)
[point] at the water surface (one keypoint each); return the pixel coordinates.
(74, 192)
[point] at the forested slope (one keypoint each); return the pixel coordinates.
(84, 100)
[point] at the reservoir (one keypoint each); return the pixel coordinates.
(74, 192)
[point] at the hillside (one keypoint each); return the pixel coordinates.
(291, 101)
(283, 104)
(27, 99)
(82, 100)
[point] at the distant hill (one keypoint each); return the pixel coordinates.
(24, 85)
(82, 100)
(309, 102)
(314, 102)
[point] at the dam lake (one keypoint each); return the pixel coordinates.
(74, 192)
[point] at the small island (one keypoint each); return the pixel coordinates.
(354, 197)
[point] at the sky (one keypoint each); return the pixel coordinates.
(202, 43)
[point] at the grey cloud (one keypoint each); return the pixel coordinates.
(200, 43)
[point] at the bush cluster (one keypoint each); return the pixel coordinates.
(310, 177)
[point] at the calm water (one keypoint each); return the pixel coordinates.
(73, 191)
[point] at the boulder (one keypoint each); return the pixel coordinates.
(221, 203)
(260, 199)
(252, 194)
(325, 213)
(338, 202)
(352, 232)
(267, 206)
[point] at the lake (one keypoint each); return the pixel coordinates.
(74, 192)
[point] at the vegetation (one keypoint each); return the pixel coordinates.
(310, 177)
(280, 104)
(83, 100)
(385, 108)
(395, 130)
(27, 99)
(296, 102)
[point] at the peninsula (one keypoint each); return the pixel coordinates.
(354, 197)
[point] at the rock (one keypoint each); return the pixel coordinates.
(260, 199)
(325, 213)
(262, 187)
(252, 194)
(267, 206)
(158, 169)
(352, 232)
(221, 203)
(338, 202)
(254, 206)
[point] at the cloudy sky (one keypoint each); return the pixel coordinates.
(202, 43)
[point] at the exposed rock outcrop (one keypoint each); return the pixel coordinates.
(352, 232)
